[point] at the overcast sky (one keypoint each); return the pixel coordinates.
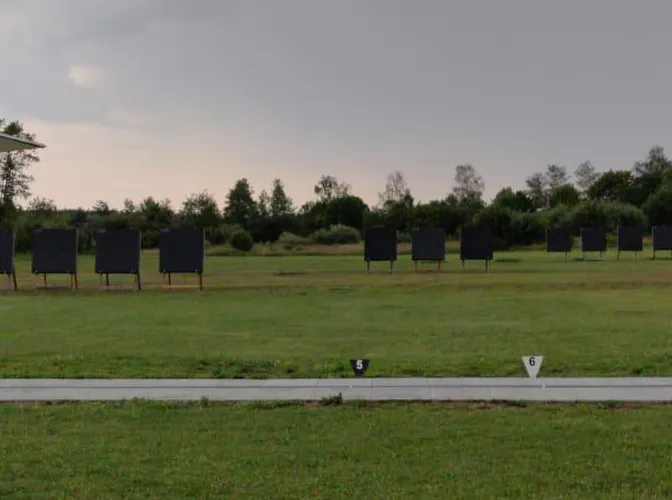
(171, 97)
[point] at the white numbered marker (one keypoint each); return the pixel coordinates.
(532, 365)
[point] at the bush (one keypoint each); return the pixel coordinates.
(606, 214)
(336, 235)
(226, 231)
(527, 228)
(498, 219)
(658, 207)
(242, 240)
(403, 237)
(150, 238)
(290, 241)
(559, 216)
(624, 214)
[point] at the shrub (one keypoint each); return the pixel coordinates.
(559, 216)
(624, 214)
(527, 228)
(498, 219)
(225, 232)
(336, 235)
(242, 240)
(150, 238)
(607, 215)
(658, 207)
(290, 241)
(403, 237)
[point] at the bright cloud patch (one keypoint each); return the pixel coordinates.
(85, 77)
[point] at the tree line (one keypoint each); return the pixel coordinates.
(640, 196)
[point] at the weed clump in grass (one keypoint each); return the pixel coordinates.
(335, 400)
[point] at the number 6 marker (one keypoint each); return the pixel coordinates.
(532, 365)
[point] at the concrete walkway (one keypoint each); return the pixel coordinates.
(372, 389)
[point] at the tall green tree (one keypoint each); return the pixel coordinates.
(201, 210)
(469, 185)
(518, 201)
(612, 185)
(585, 175)
(101, 208)
(240, 207)
(129, 206)
(264, 205)
(280, 203)
(156, 214)
(556, 176)
(656, 162)
(565, 194)
(15, 180)
(328, 188)
(42, 207)
(396, 189)
(537, 190)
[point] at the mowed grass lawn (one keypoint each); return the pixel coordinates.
(304, 316)
(389, 451)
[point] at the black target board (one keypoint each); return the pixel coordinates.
(476, 243)
(7, 249)
(429, 244)
(629, 239)
(55, 251)
(662, 238)
(380, 244)
(118, 251)
(593, 239)
(558, 239)
(182, 250)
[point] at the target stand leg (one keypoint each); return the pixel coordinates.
(200, 281)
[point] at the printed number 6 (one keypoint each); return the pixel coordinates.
(360, 365)
(532, 362)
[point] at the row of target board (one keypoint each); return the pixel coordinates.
(476, 243)
(182, 250)
(117, 251)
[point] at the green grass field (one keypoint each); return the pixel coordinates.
(141, 450)
(307, 315)
(304, 316)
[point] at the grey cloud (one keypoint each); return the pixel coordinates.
(382, 80)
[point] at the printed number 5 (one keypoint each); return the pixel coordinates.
(532, 361)
(360, 365)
